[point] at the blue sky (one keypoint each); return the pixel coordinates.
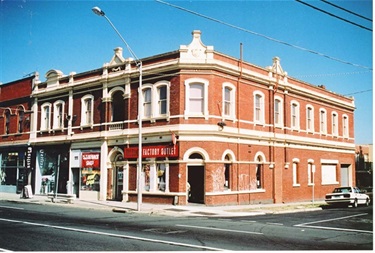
(67, 35)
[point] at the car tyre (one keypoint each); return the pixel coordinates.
(355, 204)
(367, 202)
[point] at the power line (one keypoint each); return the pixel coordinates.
(333, 15)
(341, 8)
(262, 35)
(358, 92)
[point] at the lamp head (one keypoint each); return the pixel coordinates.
(98, 11)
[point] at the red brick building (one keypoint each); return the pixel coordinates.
(230, 131)
(15, 151)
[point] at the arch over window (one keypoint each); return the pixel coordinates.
(7, 114)
(21, 118)
(45, 121)
(203, 153)
(259, 107)
(87, 108)
(196, 98)
(58, 114)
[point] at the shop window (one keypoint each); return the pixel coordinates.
(259, 107)
(155, 176)
(21, 116)
(58, 115)
(309, 118)
(90, 171)
(45, 124)
(294, 115)
(7, 121)
(87, 103)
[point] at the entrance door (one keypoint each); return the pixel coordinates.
(344, 175)
(196, 181)
(119, 183)
(76, 181)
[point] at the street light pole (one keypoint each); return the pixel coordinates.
(138, 62)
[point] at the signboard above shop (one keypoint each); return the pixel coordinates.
(152, 151)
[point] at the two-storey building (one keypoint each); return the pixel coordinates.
(216, 130)
(16, 164)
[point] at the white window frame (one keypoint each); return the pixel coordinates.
(58, 120)
(229, 113)
(278, 117)
(154, 178)
(296, 172)
(335, 123)
(329, 172)
(154, 104)
(157, 112)
(345, 126)
(45, 117)
(323, 121)
(147, 105)
(294, 115)
(188, 113)
(310, 172)
(87, 117)
(259, 107)
(309, 118)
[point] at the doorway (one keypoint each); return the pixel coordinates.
(119, 182)
(196, 181)
(345, 175)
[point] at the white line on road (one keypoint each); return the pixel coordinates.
(273, 223)
(11, 207)
(221, 229)
(5, 250)
(308, 224)
(115, 235)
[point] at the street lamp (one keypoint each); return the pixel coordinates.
(138, 62)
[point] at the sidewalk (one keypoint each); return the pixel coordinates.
(159, 209)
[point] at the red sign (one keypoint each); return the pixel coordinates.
(152, 151)
(90, 160)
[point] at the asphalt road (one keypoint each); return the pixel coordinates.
(35, 227)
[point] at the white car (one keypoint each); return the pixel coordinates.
(347, 196)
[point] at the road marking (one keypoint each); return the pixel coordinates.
(11, 207)
(5, 250)
(116, 235)
(308, 224)
(273, 223)
(221, 229)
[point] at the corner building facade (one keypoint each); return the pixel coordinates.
(216, 130)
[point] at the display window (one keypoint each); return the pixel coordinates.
(155, 176)
(90, 171)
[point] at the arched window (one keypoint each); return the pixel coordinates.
(228, 103)
(345, 126)
(45, 121)
(323, 121)
(309, 118)
(335, 124)
(58, 114)
(118, 106)
(87, 103)
(196, 100)
(259, 107)
(21, 118)
(7, 121)
(294, 113)
(278, 112)
(146, 96)
(259, 173)
(296, 172)
(227, 172)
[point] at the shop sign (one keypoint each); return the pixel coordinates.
(152, 151)
(90, 160)
(29, 154)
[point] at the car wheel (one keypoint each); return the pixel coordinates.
(367, 202)
(355, 204)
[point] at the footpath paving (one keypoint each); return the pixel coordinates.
(172, 210)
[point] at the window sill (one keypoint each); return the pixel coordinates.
(296, 185)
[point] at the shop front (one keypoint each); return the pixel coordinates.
(13, 174)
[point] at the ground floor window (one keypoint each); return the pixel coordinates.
(155, 176)
(12, 169)
(90, 171)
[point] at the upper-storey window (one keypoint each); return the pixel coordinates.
(335, 124)
(21, 117)
(228, 105)
(58, 115)
(345, 125)
(294, 112)
(87, 108)
(7, 121)
(146, 93)
(45, 121)
(278, 111)
(309, 118)
(155, 100)
(196, 102)
(162, 97)
(323, 121)
(258, 107)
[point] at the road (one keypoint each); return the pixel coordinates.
(36, 227)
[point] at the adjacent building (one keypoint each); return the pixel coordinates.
(216, 130)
